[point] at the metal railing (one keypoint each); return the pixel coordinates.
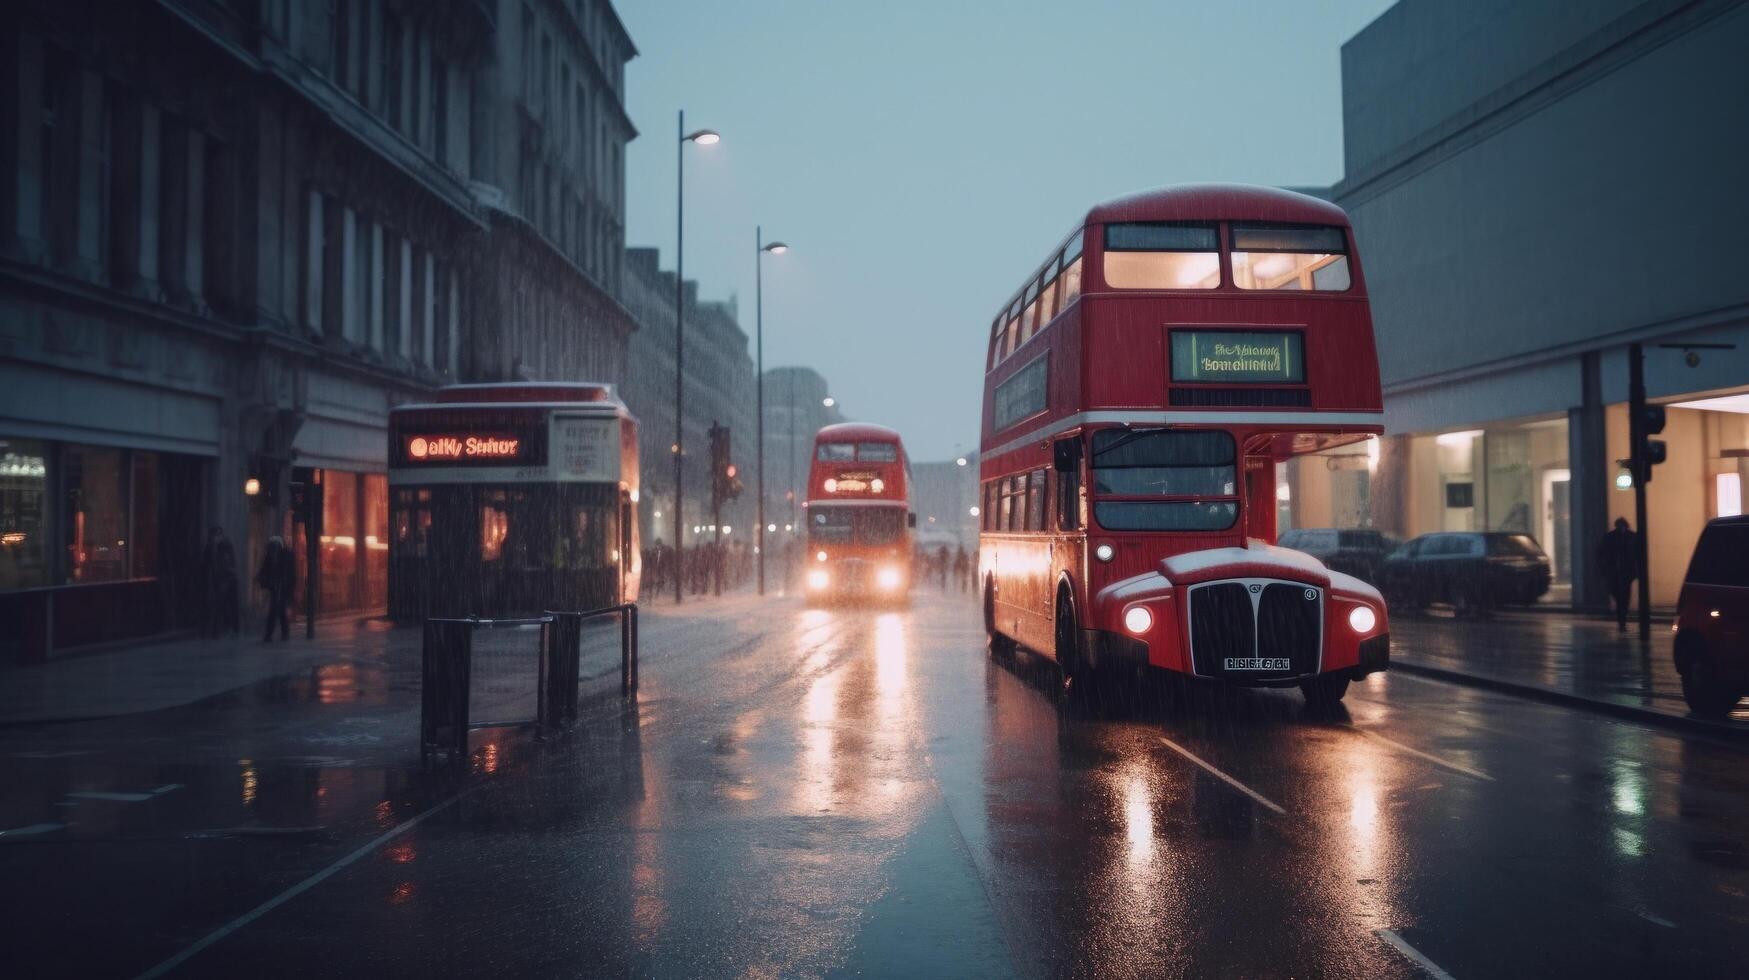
(450, 697)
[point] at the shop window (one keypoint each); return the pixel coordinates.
(339, 540)
(95, 513)
(144, 547)
(23, 514)
(376, 539)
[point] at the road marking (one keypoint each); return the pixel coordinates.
(1417, 753)
(1230, 781)
(1656, 920)
(1413, 954)
(166, 788)
(301, 887)
(35, 828)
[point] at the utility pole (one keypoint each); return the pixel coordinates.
(1644, 452)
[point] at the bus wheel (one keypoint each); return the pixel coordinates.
(1077, 678)
(1000, 646)
(1325, 690)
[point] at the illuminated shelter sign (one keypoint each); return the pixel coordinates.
(466, 448)
(1241, 356)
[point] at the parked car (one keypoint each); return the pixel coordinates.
(1353, 551)
(1473, 571)
(1712, 619)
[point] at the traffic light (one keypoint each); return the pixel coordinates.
(1648, 452)
(724, 483)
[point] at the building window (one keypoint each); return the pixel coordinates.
(95, 512)
(24, 555)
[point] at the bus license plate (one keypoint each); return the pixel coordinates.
(1258, 663)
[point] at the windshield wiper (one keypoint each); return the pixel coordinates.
(1128, 437)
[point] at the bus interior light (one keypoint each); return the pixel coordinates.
(1138, 620)
(1362, 619)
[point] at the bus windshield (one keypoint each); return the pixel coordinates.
(1165, 463)
(856, 525)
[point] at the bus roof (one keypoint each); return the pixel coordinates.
(853, 431)
(1218, 202)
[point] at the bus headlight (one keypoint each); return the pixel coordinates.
(1138, 620)
(1104, 552)
(1362, 619)
(831, 485)
(887, 578)
(877, 484)
(818, 579)
(820, 555)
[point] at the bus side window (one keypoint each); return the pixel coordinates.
(1035, 501)
(1069, 496)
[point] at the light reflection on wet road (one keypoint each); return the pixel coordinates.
(809, 792)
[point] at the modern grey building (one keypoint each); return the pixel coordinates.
(795, 409)
(234, 233)
(1533, 187)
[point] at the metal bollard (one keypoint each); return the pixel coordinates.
(446, 668)
(562, 652)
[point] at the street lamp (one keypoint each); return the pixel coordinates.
(759, 249)
(703, 137)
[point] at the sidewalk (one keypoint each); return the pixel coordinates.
(1574, 659)
(153, 676)
(166, 674)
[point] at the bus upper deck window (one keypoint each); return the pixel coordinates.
(1301, 257)
(1162, 255)
(877, 452)
(837, 452)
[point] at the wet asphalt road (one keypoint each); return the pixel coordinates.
(839, 792)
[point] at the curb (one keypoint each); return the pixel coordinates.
(1645, 716)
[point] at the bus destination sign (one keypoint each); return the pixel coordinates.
(489, 448)
(1241, 356)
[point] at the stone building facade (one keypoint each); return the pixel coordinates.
(232, 236)
(718, 388)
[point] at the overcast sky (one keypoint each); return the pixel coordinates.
(921, 158)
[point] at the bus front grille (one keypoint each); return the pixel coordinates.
(1256, 629)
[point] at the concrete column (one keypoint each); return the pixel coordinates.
(173, 210)
(404, 301)
(147, 276)
(350, 328)
(194, 227)
(334, 220)
(21, 154)
(1592, 469)
(85, 259)
(455, 326)
(315, 264)
(428, 310)
(122, 261)
(375, 312)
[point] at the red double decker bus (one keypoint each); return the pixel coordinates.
(1140, 390)
(858, 514)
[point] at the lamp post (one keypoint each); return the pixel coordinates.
(703, 137)
(759, 250)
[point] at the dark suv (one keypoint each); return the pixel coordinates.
(1712, 619)
(1353, 551)
(1473, 571)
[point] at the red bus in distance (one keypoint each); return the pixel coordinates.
(1140, 389)
(858, 514)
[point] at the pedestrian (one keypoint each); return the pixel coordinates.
(278, 575)
(961, 564)
(1618, 560)
(218, 567)
(941, 567)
